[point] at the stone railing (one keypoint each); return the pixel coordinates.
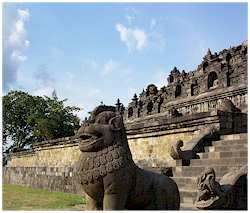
(201, 103)
(211, 100)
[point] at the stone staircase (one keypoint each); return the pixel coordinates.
(230, 151)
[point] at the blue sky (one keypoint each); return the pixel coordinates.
(93, 52)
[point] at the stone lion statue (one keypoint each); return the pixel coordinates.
(229, 193)
(209, 190)
(108, 174)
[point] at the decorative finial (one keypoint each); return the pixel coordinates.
(209, 55)
(135, 97)
(209, 52)
(118, 103)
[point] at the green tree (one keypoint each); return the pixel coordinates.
(17, 107)
(58, 120)
(28, 119)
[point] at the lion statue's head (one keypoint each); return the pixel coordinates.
(104, 128)
(209, 190)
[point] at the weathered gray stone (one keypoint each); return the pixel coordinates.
(229, 193)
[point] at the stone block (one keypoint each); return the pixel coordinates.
(221, 161)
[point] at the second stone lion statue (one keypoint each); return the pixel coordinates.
(108, 174)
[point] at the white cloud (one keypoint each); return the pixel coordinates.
(23, 14)
(17, 37)
(17, 57)
(109, 67)
(134, 38)
(137, 39)
(14, 45)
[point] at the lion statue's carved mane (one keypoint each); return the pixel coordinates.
(110, 178)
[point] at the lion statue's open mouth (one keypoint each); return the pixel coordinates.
(89, 141)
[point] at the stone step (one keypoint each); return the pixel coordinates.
(223, 161)
(195, 171)
(188, 206)
(224, 155)
(185, 182)
(188, 195)
(234, 136)
(225, 148)
(221, 155)
(229, 142)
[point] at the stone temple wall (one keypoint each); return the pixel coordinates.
(50, 165)
(61, 152)
(149, 140)
(53, 178)
(150, 128)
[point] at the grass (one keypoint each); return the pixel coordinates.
(17, 197)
